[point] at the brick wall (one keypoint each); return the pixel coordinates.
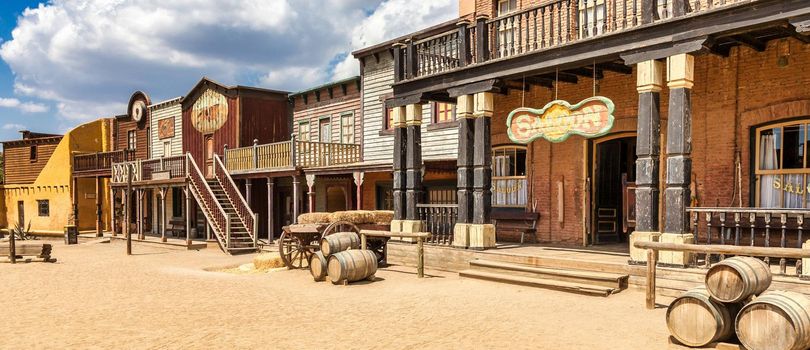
(731, 95)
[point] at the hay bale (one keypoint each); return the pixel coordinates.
(383, 217)
(314, 218)
(268, 261)
(364, 216)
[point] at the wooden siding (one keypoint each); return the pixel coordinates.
(121, 128)
(171, 110)
(377, 80)
(333, 108)
(18, 166)
(226, 135)
(264, 119)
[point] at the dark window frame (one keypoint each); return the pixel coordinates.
(43, 211)
(34, 153)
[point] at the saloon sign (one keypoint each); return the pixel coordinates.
(558, 120)
(209, 112)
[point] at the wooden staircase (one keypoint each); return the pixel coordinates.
(232, 222)
(568, 280)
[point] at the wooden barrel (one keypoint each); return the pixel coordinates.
(352, 265)
(775, 320)
(339, 242)
(317, 266)
(736, 279)
(694, 319)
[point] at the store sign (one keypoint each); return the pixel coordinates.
(166, 128)
(209, 112)
(789, 187)
(558, 120)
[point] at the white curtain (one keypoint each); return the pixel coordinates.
(768, 196)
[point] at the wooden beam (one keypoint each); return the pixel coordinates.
(722, 51)
(586, 72)
(772, 252)
(794, 32)
(491, 85)
(641, 55)
(615, 67)
(546, 83)
(563, 77)
(750, 41)
(405, 100)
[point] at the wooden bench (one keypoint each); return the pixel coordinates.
(26, 252)
(516, 221)
(176, 227)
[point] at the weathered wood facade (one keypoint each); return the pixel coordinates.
(24, 159)
(672, 71)
(167, 124)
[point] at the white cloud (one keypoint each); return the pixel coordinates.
(88, 56)
(26, 107)
(13, 126)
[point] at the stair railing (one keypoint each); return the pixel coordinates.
(212, 210)
(243, 210)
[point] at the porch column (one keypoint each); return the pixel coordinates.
(99, 211)
(680, 79)
(482, 232)
(311, 192)
(650, 82)
(112, 212)
(187, 196)
(413, 167)
(162, 216)
(399, 173)
(75, 197)
(270, 216)
(141, 212)
(249, 191)
(296, 182)
(358, 182)
(466, 140)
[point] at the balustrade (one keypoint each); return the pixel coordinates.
(438, 219)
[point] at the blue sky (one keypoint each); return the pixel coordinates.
(64, 62)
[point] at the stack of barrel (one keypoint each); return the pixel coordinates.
(735, 300)
(342, 260)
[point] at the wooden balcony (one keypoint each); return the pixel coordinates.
(153, 170)
(465, 53)
(99, 163)
(290, 155)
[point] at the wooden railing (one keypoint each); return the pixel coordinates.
(438, 219)
(282, 155)
(752, 227)
(243, 211)
(213, 211)
(166, 168)
(549, 25)
(100, 161)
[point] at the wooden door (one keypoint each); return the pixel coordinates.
(608, 186)
(208, 146)
(21, 213)
(325, 131)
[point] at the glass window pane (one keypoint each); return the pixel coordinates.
(769, 145)
(791, 186)
(793, 147)
(520, 163)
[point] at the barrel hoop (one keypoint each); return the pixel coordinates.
(737, 265)
(706, 300)
(782, 306)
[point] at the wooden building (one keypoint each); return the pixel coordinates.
(40, 189)
(692, 108)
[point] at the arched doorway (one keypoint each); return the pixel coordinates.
(336, 198)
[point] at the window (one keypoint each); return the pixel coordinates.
(783, 168)
(347, 128)
(388, 119)
(325, 129)
(131, 140)
(33, 155)
(385, 197)
(509, 187)
(506, 28)
(303, 131)
(44, 207)
(591, 18)
(443, 112)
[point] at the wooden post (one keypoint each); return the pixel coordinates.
(256, 230)
(293, 152)
(270, 223)
(127, 210)
(12, 247)
(680, 79)
(648, 144)
(400, 143)
(188, 215)
(75, 203)
(255, 153)
(225, 155)
(112, 211)
(465, 162)
(464, 54)
(399, 65)
(358, 182)
(482, 157)
(249, 192)
(481, 39)
(420, 264)
(296, 182)
(363, 241)
(311, 193)
(411, 60)
(99, 219)
(649, 11)
(162, 216)
(413, 160)
(652, 261)
(228, 232)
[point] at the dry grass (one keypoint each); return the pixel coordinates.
(383, 217)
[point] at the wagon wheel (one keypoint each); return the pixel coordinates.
(295, 251)
(379, 245)
(340, 226)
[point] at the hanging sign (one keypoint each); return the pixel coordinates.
(209, 112)
(558, 120)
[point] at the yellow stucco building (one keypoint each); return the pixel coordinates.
(38, 180)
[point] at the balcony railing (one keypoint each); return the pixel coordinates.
(100, 161)
(438, 219)
(283, 155)
(166, 168)
(754, 227)
(537, 28)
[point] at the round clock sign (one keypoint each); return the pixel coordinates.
(138, 111)
(209, 112)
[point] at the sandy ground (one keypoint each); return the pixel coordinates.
(96, 297)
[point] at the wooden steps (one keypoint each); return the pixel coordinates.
(569, 280)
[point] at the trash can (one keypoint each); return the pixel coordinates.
(71, 234)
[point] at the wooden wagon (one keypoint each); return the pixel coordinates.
(299, 242)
